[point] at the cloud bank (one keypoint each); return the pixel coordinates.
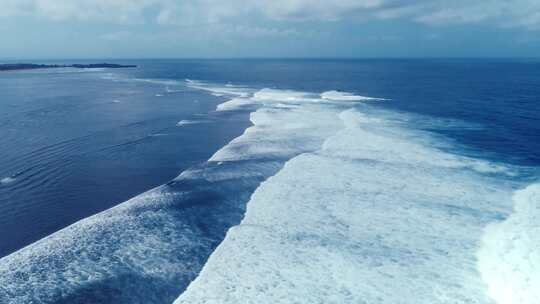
(501, 13)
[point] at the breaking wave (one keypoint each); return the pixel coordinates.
(345, 204)
(509, 259)
(377, 213)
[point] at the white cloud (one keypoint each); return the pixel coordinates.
(503, 13)
(117, 36)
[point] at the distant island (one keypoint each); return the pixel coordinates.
(32, 66)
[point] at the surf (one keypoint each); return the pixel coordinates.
(346, 202)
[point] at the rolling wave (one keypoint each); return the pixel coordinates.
(344, 205)
(376, 214)
(508, 259)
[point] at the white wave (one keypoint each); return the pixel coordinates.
(365, 210)
(7, 180)
(384, 140)
(220, 90)
(165, 82)
(186, 122)
(345, 96)
(376, 214)
(145, 250)
(235, 104)
(280, 96)
(281, 134)
(509, 260)
(271, 98)
(149, 248)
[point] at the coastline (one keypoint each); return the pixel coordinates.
(34, 66)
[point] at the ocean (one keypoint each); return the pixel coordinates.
(271, 180)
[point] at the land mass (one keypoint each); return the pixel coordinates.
(32, 66)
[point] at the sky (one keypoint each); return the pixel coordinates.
(268, 28)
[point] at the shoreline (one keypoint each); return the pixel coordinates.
(33, 66)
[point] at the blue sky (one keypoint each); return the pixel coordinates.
(278, 28)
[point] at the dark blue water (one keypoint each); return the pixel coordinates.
(76, 143)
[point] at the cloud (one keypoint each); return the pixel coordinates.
(502, 13)
(215, 31)
(117, 36)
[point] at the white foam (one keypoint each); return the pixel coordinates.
(390, 141)
(281, 133)
(220, 90)
(165, 82)
(151, 246)
(377, 214)
(365, 210)
(282, 96)
(509, 260)
(7, 180)
(345, 96)
(235, 104)
(186, 122)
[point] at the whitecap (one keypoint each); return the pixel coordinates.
(7, 180)
(185, 122)
(345, 96)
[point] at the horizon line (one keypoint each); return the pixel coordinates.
(269, 58)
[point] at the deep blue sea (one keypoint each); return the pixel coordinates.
(75, 143)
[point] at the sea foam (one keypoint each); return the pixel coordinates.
(509, 260)
(376, 214)
(187, 122)
(345, 96)
(148, 249)
(7, 180)
(354, 207)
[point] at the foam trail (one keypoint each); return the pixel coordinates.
(509, 260)
(374, 216)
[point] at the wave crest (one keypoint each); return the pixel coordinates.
(509, 260)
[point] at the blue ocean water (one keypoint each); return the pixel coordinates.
(75, 143)
(499, 94)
